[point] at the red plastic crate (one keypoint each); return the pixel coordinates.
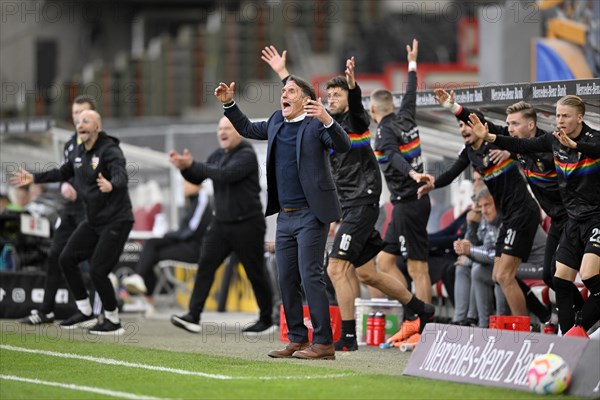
(334, 315)
(519, 323)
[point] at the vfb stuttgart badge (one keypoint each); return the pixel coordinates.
(95, 161)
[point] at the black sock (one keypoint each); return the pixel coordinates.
(348, 329)
(577, 299)
(564, 303)
(414, 306)
(533, 303)
(590, 312)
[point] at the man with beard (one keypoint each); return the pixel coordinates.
(519, 211)
(538, 168)
(576, 151)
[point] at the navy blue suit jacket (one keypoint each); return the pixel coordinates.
(312, 154)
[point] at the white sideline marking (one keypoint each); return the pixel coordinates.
(114, 393)
(110, 361)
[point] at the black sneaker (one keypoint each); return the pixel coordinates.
(37, 318)
(346, 344)
(259, 327)
(474, 322)
(466, 322)
(107, 327)
(187, 322)
(426, 317)
(79, 320)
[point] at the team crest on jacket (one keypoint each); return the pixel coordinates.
(540, 165)
(486, 160)
(95, 161)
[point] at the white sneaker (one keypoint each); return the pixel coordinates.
(134, 284)
(150, 311)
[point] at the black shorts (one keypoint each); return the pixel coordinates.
(578, 238)
(357, 240)
(406, 235)
(516, 235)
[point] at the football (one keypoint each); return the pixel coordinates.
(548, 374)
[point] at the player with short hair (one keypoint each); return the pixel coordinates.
(520, 212)
(576, 151)
(398, 150)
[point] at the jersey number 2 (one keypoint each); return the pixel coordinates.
(595, 235)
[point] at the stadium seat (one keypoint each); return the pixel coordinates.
(446, 218)
(144, 218)
(547, 295)
(167, 281)
(546, 223)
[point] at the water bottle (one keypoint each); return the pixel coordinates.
(378, 329)
(370, 329)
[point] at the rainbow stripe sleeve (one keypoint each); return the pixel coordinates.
(381, 158)
(585, 166)
(359, 139)
(495, 170)
(538, 177)
(412, 149)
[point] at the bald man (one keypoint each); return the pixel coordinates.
(100, 179)
(71, 216)
(238, 225)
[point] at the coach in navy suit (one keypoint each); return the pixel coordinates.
(301, 189)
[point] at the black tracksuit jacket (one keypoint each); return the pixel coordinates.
(398, 146)
(104, 157)
(578, 170)
(504, 181)
(235, 182)
(538, 169)
(356, 173)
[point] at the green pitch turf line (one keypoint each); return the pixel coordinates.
(110, 361)
(250, 379)
(89, 389)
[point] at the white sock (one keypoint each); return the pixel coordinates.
(112, 316)
(84, 306)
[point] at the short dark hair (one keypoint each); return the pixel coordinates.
(476, 112)
(338, 82)
(303, 84)
(84, 98)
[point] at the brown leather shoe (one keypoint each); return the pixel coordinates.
(316, 352)
(288, 351)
